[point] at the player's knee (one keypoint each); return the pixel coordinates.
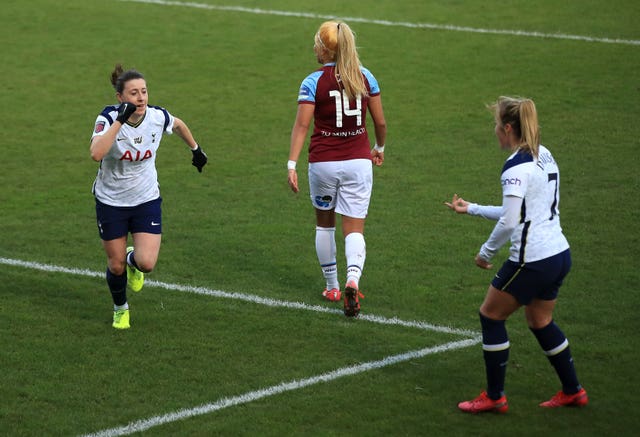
(538, 318)
(146, 264)
(538, 322)
(117, 266)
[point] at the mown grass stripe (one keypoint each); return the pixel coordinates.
(244, 297)
(145, 424)
(433, 26)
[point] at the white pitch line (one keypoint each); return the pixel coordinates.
(448, 27)
(145, 424)
(245, 297)
(49, 268)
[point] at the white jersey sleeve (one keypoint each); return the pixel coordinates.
(507, 221)
(485, 211)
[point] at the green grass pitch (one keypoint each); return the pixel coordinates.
(232, 319)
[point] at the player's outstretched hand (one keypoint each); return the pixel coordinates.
(458, 204)
(124, 112)
(199, 159)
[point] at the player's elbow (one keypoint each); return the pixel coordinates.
(301, 128)
(507, 225)
(96, 154)
(178, 126)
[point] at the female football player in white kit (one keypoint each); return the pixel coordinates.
(539, 257)
(125, 140)
(336, 97)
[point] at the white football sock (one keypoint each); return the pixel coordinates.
(326, 251)
(356, 251)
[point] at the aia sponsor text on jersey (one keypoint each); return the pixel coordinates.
(136, 155)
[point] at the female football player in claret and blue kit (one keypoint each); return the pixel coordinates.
(538, 262)
(125, 141)
(336, 97)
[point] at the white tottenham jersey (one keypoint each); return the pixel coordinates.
(537, 182)
(127, 175)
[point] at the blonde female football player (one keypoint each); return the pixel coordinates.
(539, 257)
(125, 141)
(336, 98)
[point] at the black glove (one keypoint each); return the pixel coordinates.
(199, 159)
(124, 111)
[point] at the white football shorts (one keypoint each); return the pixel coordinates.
(343, 185)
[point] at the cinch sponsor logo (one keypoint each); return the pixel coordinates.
(511, 181)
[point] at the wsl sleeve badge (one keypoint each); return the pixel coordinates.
(99, 127)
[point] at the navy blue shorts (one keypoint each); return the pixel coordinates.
(535, 280)
(117, 221)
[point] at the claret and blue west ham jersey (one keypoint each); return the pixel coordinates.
(127, 175)
(537, 182)
(339, 131)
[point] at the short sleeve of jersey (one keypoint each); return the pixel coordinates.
(168, 119)
(100, 127)
(373, 82)
(104, 121)
(308, 88)
(515, 175)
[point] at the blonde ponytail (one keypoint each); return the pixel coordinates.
(339, 40)
(522, 116)
(530, 131)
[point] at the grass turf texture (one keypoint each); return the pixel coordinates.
(233, 77)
